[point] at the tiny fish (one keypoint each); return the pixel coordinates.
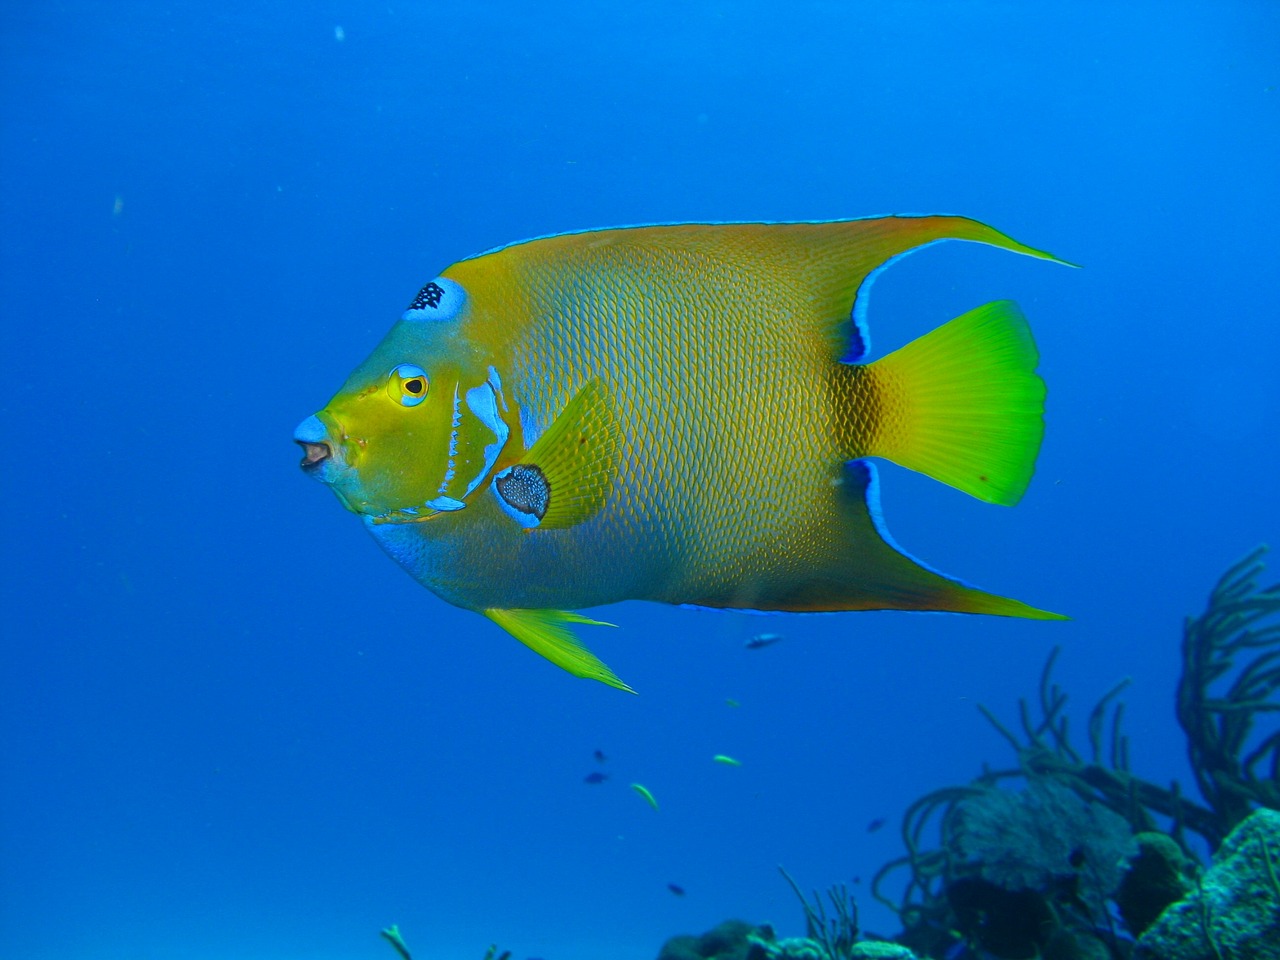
(732, 703)
(392, 935)
(875, 825)
(682, 413)
(595, 777)
(644, 792)
(761, 640)
(676, 889)
(726, 760)
(600, 757)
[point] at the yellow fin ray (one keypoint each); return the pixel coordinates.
(579, 457)
(545, 633)
(964, 405)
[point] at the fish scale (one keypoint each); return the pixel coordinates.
(692, 427)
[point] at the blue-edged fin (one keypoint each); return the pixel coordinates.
(963, 404)
(836, 262)
(853, 564)
(546, 632)
(567, 475)
(878, 568)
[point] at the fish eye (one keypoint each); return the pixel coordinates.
(439, 300)
(407, 384)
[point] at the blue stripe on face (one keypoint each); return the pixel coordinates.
(445, 504)
(482, 402)
(495, 381)
(449, 470)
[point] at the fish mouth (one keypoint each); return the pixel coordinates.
(313, 454)
(319, 454)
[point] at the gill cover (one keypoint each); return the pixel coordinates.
(421, 423)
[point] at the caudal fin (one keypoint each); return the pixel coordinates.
(964, 404)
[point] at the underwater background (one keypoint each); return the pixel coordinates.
(231, 728)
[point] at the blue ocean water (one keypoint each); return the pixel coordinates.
(231, 728)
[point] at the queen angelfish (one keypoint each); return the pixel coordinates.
(679, 413)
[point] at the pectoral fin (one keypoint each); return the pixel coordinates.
(567, 476)
(545, 632)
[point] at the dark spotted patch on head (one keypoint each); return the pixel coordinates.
(526, 489)
(428, 296)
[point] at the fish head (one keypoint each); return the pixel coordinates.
(420, 424)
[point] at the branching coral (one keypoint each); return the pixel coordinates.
(1218, 724)
(836, 934)
(1240, 619)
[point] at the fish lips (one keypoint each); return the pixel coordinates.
(320, 455)
(314, 454)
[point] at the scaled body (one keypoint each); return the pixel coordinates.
(673, 413)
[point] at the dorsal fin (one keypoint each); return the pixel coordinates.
(829, 264)
(838, 259)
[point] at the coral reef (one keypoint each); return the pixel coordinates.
(829, 937)
(802, 948)
(1042, 837)
(792, 948)
(1158, 874)
(731, 940)
(835, 934)
(1033, 872)
(1234, 910)
(1218, 723)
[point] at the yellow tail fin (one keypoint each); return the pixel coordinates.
(964, 404)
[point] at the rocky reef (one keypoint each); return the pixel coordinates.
(736, 940)
(1070, 855)
(1234, 908)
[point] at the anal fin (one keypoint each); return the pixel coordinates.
(857, 566)
(891, 578)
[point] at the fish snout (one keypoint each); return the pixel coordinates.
(317, 446)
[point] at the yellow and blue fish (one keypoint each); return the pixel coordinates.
(678, 413)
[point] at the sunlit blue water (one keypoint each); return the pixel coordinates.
(231, 728)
